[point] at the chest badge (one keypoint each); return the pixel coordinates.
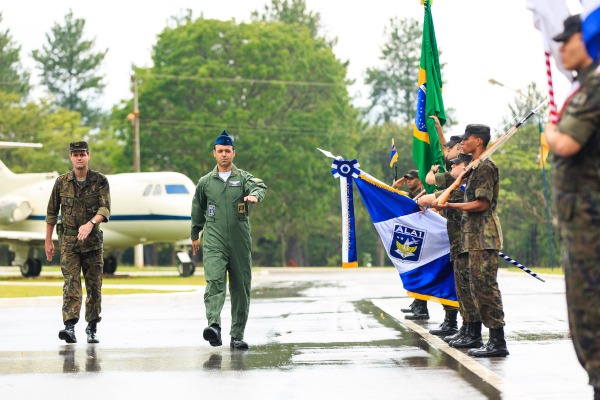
(211, 210)
(241, 208)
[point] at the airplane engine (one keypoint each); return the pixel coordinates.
(14, 209)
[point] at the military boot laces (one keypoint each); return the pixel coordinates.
(472, 339)
(420, 311)
(91, 333)
(68, 334)
(461, 332)
(449, 326)
(495, 347)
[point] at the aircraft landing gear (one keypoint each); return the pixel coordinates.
(31, 267)
(185, 265)
(110, 265)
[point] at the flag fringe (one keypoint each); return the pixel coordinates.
(425, 297)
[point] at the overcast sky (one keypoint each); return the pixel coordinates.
(479, 40)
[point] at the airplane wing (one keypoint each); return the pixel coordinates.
(23, 236)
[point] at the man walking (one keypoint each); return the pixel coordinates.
(220, 211)
(83, 198)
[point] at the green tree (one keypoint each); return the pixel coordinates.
(55, 128)
(393, 86)
(280, 92)
(12, 78)
(522, 204)
(291, 12)
(69, 67)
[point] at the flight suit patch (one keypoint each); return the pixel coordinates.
(241, 208)
(211, 210)
(235, 183)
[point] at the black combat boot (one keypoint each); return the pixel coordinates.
(68, 334)
(472, 340)
(238, 344)
(449, 326)
(461, 332)
(212, 334)
(410, 308)
(420, 311)
(91, 333)
(495, 347)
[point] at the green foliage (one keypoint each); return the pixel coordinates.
(12, 78)
(69, 67)
(55, 129)
(393, 92)
(523, 189)
(278, 91)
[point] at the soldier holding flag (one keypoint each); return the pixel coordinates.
(575, 142)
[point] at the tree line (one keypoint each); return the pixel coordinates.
(277, 86)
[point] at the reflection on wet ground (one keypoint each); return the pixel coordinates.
(316, 335)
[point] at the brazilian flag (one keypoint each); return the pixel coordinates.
(426, 145)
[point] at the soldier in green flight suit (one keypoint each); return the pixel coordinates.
(220, 211)
(83, 198)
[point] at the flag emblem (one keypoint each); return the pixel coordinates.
(406, 243)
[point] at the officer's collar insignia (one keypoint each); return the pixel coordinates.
(406, 243)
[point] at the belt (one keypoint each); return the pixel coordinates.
(68, 231)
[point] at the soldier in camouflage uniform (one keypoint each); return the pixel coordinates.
(220, 211)
(83, 199)
(481, 238)
(575, 142)
(459, 259)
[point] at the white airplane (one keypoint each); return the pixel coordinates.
(146, 207)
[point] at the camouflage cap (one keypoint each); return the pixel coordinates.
(81, 145)
(413, 173)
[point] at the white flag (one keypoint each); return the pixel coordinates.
(548, 18)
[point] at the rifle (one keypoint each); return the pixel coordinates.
(443, 199)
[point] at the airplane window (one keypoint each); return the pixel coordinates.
(176, 189)
(157, 190)
(147, 190)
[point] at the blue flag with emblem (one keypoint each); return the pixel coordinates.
(416, 242)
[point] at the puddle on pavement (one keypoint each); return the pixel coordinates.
(290, 289)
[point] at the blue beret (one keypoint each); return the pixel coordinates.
(224, 139)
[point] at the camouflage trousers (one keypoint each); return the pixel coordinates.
(72, 263)
(580, 259)
(468, 310)
(483, 274)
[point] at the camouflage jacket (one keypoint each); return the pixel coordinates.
(577, 178)
(482, 230)
(443, 180)
(78, 205)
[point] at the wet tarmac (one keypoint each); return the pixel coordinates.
(314, 334)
